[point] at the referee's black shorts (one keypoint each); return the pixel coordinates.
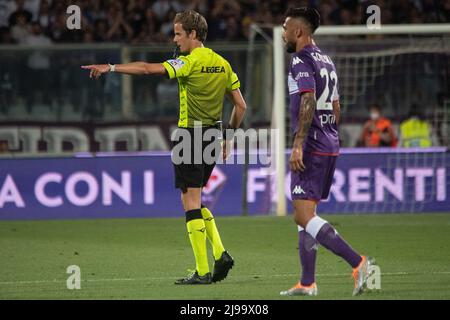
(195, 169)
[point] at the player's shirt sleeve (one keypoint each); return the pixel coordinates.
(303, 73)
(178, 68)
(233, 82)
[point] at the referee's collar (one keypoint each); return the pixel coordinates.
(199, 48)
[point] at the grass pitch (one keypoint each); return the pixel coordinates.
(141, 258)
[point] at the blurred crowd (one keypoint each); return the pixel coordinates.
(144, 21)
(23, 94)
(414, 130)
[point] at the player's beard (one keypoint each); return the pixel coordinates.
(291, 47)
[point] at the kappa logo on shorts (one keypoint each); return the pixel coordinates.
(298, 190)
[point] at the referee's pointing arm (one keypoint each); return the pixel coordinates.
(133, 68)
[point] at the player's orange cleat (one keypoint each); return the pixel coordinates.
(300, 290)
(361, 274)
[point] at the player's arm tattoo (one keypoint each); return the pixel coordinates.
(307, 109)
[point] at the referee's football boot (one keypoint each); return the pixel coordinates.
(194, 278)
(300, 290)
(222, 267)
(362, 273)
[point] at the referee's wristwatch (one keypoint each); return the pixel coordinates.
(112, 67)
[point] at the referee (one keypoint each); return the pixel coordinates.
(204, 78)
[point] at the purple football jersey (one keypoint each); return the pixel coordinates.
(313, 71)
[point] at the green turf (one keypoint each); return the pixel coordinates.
(140, 258)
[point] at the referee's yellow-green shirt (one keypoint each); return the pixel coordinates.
(203, 78)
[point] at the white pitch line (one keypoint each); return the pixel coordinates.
(240, 277)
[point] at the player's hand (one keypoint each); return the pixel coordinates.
(296, 161)
(97, 70)
(226, 149)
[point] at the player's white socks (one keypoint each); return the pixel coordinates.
(314, 225)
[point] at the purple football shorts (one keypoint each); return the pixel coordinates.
(315, 181)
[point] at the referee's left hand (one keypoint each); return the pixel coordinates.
(296, 161)
(97, 70)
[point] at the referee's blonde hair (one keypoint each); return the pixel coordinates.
(192, 20)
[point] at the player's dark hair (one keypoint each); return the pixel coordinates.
(191, 20)
(310, 15)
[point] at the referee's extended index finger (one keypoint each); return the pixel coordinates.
(90, 67)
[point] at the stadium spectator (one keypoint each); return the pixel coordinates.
(100, 30)
(44, 16)
(377, 131)
(137, 13)
(243, 12)
(6, 36)
(326, 8)
(58, 32)
(146, 30)
(136, 22)
(167, 27)
(233, 31)
(33, 6)
(201, 6)
(162, 8)
(403, 11)
(94, 12)
(263, 14)
(221, 11)
(119, 29)
(7, 73)
(6, 8)
(19, 12)
(441, 110)
(38, 64)
(415, 131)
(20, 30)
(245, 26)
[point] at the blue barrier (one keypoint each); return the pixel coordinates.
(141, 185)
(390, 181)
